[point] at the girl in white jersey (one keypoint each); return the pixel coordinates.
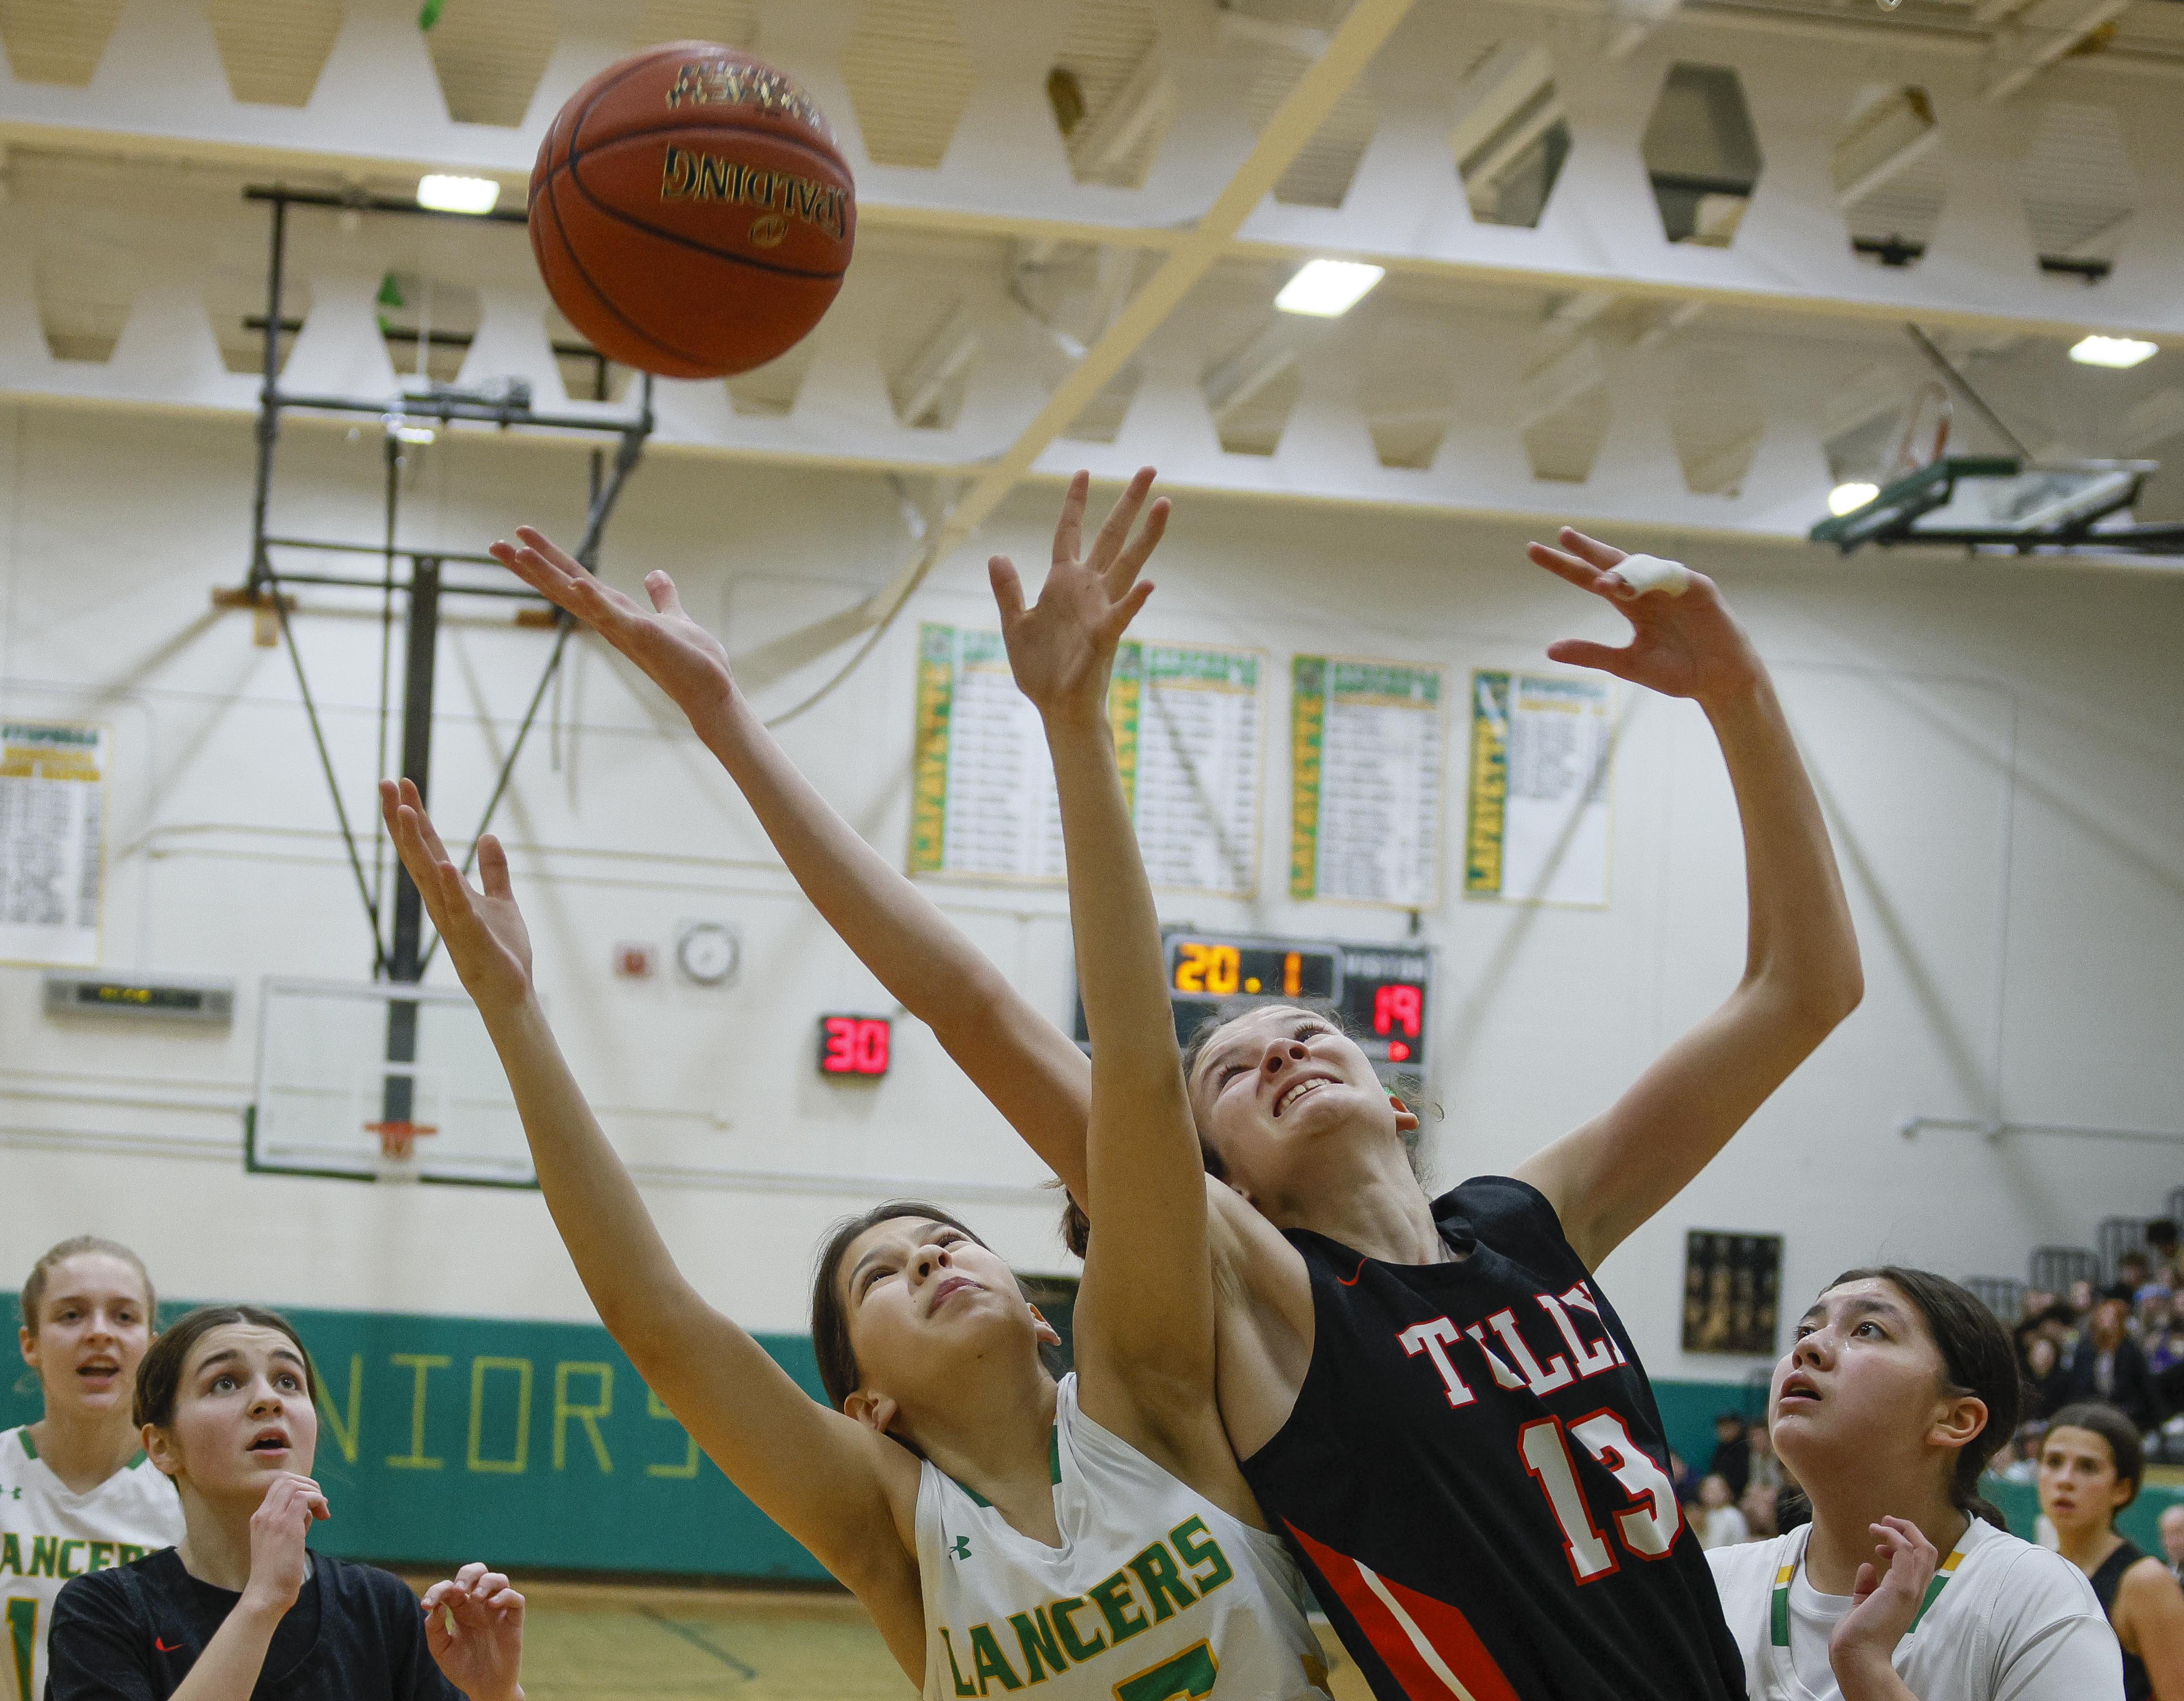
(1899, 1388)
(76, 1492)
(1093, 1537)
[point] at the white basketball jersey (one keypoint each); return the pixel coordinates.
(49, 1535)
(1154, 1593)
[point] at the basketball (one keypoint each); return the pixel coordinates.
(690, 212)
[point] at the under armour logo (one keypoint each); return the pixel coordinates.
(963, 1547)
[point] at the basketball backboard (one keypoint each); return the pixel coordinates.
(329, 1100)
(2000, 502)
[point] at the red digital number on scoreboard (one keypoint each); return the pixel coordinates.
(854, 1044)
(1398, 1006)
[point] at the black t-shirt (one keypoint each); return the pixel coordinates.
(132, 1632)
(1475, 1479)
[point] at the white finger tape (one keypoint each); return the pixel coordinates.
(1644, 573)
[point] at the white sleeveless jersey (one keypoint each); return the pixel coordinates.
(49, 1535)
(1154, 1594)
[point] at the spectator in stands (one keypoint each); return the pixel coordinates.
(1732, 1453)
(2081, 1299)
(2161, 1243)
(2134, 1272)
(2091, 1466)
(2109, 1366)
(2024, 1453)
(2172, 1536)
(2047, 1377)
(1757, 1507)
(1720, 1524)
(1766, 1469)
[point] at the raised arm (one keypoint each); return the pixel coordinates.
(1027, 1068)
(841, 1490)
(1801, 970)
(1145, 1315)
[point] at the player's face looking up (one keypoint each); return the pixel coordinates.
(924, 1299)
(1863, 1380)
(1268, 1090)
(93, 1324)
(242, 1414)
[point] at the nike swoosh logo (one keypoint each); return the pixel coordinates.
(1353, 1280)
(163, 1648)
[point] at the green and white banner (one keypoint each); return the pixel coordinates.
(1367, 791)
(1538, 821)
(52, 794)
(1186, 722)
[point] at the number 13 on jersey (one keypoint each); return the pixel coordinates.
(1648, 1528)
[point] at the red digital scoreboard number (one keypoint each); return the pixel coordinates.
(1398, 1008)
(857, 1047)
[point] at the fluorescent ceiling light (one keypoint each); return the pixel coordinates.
(2119, 352)
(1848, 499)
(457, 194)
(1329, 288)
(412, 433)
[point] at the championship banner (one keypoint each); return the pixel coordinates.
(52, 797)
(1367, 781)
(1185, 720)
(1537, 825)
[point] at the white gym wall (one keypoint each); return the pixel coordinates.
(1995, 742)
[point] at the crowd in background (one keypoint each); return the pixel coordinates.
(2121, 1345)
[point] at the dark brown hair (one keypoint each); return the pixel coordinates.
(830, 1316)
(33, 1289)
(1976, 1359)
(2127, 1448)
(159, 1377)
(1077, 1227)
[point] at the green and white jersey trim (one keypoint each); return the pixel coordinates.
(49, 1535)
(1154, 1593)
(2002, 1620)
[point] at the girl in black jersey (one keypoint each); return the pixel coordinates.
(242, 1607)
(1430, 1397)
(2091, 1462)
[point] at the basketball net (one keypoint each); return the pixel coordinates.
(1926, 432)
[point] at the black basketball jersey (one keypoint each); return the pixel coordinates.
(1476, 1480)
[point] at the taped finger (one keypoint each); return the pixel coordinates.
(1645, 573)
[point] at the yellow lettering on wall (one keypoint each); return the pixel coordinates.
(688, 1468)
(516, 1462)
(345, 1434)
(422, 1364)
(588, 1416)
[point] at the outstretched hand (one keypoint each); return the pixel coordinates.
(679, 655)
(1062, 647)
(1681, 646)
(484, 930)
(474, 1626)
(1886, 1598)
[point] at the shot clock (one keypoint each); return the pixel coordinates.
(1382, 990)
(855, 1047)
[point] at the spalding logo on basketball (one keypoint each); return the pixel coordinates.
(691, 213)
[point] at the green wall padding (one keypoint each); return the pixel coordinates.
(444, 1439)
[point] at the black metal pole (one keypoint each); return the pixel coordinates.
(268, 398)
(391, 448)
(405, 962)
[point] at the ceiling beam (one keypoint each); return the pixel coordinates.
(1285, 135)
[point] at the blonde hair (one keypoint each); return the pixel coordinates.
(34, 1290)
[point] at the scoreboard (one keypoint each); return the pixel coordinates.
(1383, 990)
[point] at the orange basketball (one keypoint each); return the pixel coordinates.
(691, 213)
